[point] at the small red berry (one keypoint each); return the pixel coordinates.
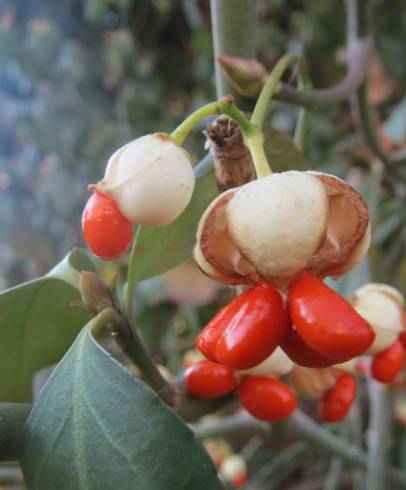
(266, 398)
(240, 480)
(336, 403)
(402, 339)
(207, 379)
(402, 336)
(326, 321)
(247, 330)
(388, 363)
(302, 354)
(107, 232)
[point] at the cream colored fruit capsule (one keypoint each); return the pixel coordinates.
(277, 364)
(232, 467)
(314, 383)
(151, 180)
(279, 226)
(382, 307)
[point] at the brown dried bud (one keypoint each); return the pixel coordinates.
(246, 75)
(232, 159)
(95, 293)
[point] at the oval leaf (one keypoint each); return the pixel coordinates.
(37, 325)
(156, 250)
(281, 151)
(97, 427)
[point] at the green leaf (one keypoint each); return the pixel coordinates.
(37, 325)
(157, 250)
(95, 426)
(281, 151)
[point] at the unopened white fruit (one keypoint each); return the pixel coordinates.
(277, 364)
(382, 307)
(278, 222)
(151, 180)
(232, 467)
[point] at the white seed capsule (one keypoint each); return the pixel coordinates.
(278, 222)
(151, 179)
(382, 307)
(232, 467)
(277, 364)
(279, 226)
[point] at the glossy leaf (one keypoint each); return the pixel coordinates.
(37, 325)
(157, 250)
(95, 426)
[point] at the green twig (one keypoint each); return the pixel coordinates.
(359, 49)
(268, 90)
(377, 435)
(361, 25)
(307, 428)
(234, 26)
(132, 345)
(224, 105)
(332, 480)
(233, 424)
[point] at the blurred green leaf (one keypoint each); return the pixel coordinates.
(98, 427)
(157, 250)
(281, 151)
(37, 325)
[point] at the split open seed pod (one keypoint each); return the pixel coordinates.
(151, 180)
(276, 365)
(281, 225)
(313, 383)
(382, 307)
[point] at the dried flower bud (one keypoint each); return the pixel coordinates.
(151, 180)
(95, 293)
(281, 225)
(382, 307)
(277, 364)
(246, 75)
(232, 159)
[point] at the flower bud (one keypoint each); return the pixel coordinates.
(277, 364)
(382, 307)
(246, 75)
(151, 179)
(281, 225)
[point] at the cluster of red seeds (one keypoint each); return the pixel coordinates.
(316, 328)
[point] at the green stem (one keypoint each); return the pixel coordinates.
(305, 84)
(307, 428)
(377, 436)
(268, 90)
(332, 480)
(221, 106)
(253, 137)
(134, 348)
(234, 27)
(255, 144)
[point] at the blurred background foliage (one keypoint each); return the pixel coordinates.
(80, 78)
